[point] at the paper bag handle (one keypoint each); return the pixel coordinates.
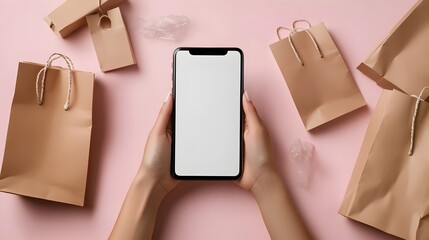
(43, 71)
(295, 30)
(413, 123)
(300, 21)
(103, 14)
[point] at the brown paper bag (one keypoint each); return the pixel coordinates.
(111, 41)
(319, 81)
(47, 147)
(70, 15)
(389, 188)
(400, 61)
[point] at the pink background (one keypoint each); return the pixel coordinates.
(127, 101)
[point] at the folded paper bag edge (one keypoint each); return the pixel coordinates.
(356, 105)
(4, 187)
(377, 78)
(371, 65)
(394, 28)
(66, 28)
(57, 67)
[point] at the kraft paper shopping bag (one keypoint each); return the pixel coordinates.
(70, 15)
(111, 41)
(318, 79)
(400, 61)
(389, 189)
(47, 144)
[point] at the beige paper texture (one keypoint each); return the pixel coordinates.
(47, 148)
(389, 189)
(70, 15)
(323, 89)
(400, 61)
(112, 44)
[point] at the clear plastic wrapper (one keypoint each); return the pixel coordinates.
(171, 27)
(301, 156)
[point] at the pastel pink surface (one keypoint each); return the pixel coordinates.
(127, 101)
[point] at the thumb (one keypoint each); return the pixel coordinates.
(164, 115)
(252, 117)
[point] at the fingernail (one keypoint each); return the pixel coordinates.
(168, 97)
(247, 96)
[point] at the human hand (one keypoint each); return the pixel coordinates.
(264, 181)
(136, 219)
(258, 159)
(157, 154)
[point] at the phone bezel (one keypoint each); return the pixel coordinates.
(207, 51)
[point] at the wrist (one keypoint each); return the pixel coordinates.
(136, 219)
(148, 186)
(269, 182)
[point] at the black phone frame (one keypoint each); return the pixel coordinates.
(207, 51)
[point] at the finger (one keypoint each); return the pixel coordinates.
(252, 117)
(164, 115)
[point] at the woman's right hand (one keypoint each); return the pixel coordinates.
(258, 157)
(263, 180)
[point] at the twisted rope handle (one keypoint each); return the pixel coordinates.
(103, 15)
(301, 21)
(99, 8)
(282, 28)
(42, 73)
(312, 39)
(295, 30)
(413, 123)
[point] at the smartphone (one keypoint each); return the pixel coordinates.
(207, 125)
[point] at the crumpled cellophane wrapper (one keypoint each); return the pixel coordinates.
(301, 157)
(171, 27)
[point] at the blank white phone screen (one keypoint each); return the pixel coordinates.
(207, 108)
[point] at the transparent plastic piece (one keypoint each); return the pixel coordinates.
(301, 155)
(172, 27)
